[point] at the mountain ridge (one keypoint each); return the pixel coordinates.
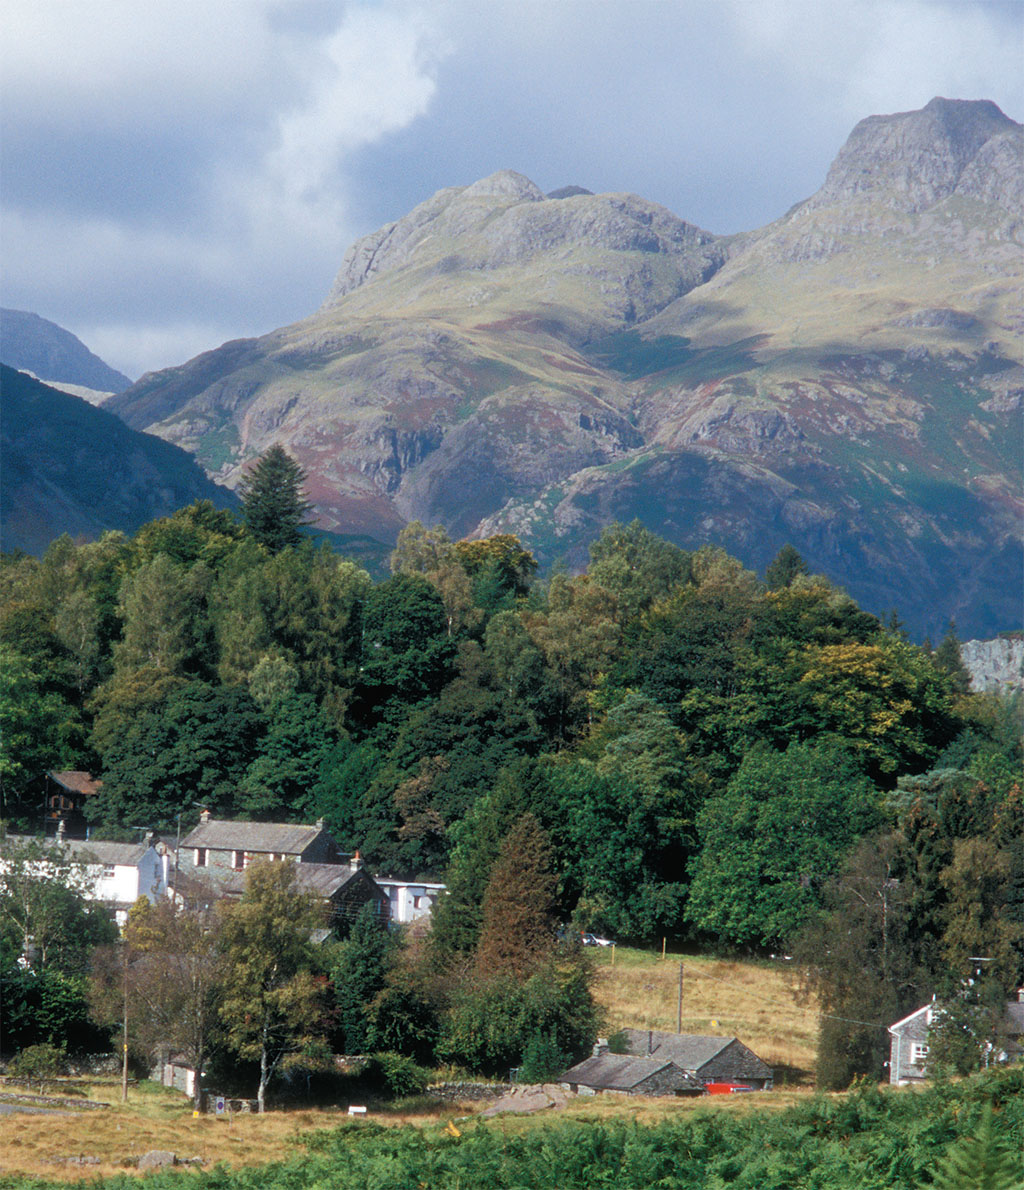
(33, 344)
(846, 378)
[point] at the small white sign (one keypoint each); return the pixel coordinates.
(357, 1111)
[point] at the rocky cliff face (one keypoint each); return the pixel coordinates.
(846, 379)
(995, 665)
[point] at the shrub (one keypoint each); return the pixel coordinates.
(38, 1064)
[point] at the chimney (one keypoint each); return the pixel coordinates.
(650, 1042)
(147, 838)
(319, 824)
(356, 862)
(1020, 995)
(204, 817)
(600, 1047)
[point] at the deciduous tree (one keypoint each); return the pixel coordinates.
(274, 1006)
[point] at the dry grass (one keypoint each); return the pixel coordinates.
(154, 1118)
(754, 1001)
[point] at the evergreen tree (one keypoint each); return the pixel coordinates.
(273, 505)
(359, 972)
(947, 658)
(518, 928)
(783, 568)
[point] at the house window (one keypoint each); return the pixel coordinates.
(417, 902)
(238, 860)
(918, 1053)
(108, 871)
(200, 857)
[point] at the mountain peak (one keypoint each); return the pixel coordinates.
(506, 183)
(915, 159)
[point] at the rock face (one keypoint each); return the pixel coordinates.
(917, 159)
(995, 665)
(33, 344)
(846, 379)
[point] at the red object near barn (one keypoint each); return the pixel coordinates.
(726, 1088)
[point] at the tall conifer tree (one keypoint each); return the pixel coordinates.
(273, 503)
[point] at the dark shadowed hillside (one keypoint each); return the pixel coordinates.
(71, 468)
(33, 344)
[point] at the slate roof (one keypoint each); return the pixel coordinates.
(623, 1072)
(77, 781)
(95, 851)
(282, 838)
(692, 1051)
(1015, 1018)
(321, 880)
(101, 852)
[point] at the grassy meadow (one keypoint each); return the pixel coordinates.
(755, 1001)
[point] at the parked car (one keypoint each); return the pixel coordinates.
(594, 940)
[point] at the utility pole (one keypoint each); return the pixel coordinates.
(124, 992)
(679, 1012)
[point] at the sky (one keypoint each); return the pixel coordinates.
(177, 173)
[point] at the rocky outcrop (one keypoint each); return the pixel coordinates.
(916, 159)
(505, 221)
(995, 665)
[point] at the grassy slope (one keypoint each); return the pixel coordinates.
(758, 1002)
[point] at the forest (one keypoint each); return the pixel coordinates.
(678, 747)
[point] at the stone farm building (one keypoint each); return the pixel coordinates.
(708, 1059)
(626, 1074)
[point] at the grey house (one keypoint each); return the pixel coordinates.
(628, 1075)
(218, 845)
(908, 1041)
(707, 1059)
(212, 860)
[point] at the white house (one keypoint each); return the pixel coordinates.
(409, 900)
(909, 1042)
(115, 873)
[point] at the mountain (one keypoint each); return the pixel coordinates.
(54, 355)
(72, 468)
(846, 379)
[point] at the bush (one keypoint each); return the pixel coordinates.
(542, 1059)
(38, 1064)
(399, 1075)
(490, 1024)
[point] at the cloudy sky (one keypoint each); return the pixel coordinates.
(176, 173)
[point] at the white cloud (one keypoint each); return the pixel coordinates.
(878, 56)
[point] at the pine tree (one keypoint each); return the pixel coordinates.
(273, 504)
(783, 568)
(947, 658)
